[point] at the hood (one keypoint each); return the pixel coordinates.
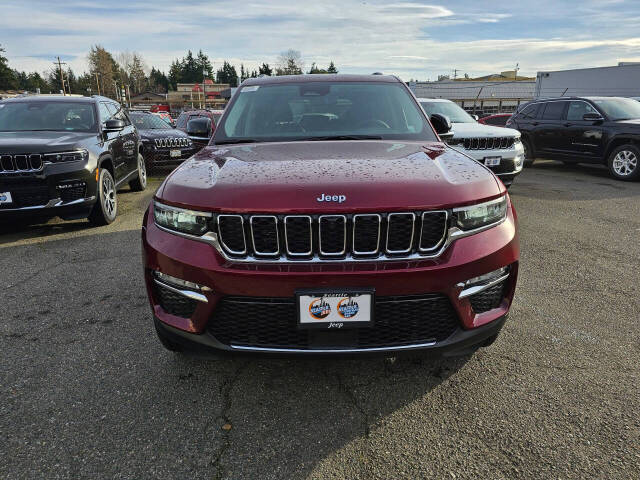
(474, 130)
(632, 122)
(43, 142)
(292, 176)
(161, 133)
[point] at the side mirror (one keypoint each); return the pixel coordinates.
(113, 125)
(592, 117)
(441, 124)
(199, 127)
(475, 117)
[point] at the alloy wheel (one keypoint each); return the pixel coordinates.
(142, 171)
(108, 196)
(625, 163)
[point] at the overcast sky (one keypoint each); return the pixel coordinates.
(412, 39)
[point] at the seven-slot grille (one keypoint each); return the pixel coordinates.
(332, 236)
(21, 163)
(172, 142)
(486, 143)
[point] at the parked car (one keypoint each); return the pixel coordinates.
(67, 157)
(161, 145)
(583, 130)
(327, 217)
(497, 120)
(498, 148)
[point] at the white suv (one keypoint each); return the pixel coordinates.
(498, 148)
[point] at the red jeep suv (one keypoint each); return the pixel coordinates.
(327, 217)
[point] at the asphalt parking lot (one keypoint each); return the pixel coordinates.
(88, 392)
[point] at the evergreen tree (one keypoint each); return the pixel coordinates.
(265, 69)
(227, 74)
(101, 62)
(204, 64)
(158, 81)
(8, 80)
(175, 74)
(332, 68)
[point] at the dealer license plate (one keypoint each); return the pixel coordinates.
(175, 153)
(335, 309)
(492, 161)
(5, 197)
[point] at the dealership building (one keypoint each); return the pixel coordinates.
(479, 96)
(622, 80)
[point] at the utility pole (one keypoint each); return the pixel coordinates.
(517, 68)
(59, 63)
(455, 73)
(98, 82)
(204, 93)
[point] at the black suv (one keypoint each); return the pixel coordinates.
(583, 130)
(162, 145)
(66, 156)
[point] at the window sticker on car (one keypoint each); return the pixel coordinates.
(250, 89)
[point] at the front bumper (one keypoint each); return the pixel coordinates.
(67, 190)
(511, 163)
(161, 157)
(226, 282)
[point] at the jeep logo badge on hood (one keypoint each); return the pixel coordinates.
(331, 198)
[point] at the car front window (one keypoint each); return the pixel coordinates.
(148, 122)
(323, 111)
(619, 108)
(452, 110)
(47, 116)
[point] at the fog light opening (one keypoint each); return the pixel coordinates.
(177, 285)
(482, 282)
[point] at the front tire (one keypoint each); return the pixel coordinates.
(529, 156)
(105, 209)
(624, 163)
(140, 183)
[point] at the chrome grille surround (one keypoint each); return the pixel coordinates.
(344, 235)
(243, 234)
(286, 236)
(21, 163)
(486, 143)
(171, 142)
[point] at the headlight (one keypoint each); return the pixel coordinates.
(62, 157)
(476, 216)
(181, 220)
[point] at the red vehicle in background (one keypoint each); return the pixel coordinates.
(159, 108)
(498, 120)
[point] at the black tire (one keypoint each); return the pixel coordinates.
(105, 209)
(529, 155)
(140, 183)
(168, 344)
(624, 163)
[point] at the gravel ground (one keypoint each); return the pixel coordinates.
(88, 392)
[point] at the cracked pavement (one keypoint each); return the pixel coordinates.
(88, 392)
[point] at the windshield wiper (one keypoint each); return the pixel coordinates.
(343, 137)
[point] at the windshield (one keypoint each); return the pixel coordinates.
(323, 111)
(452, 110)
(43, 115)
(148, 122)
(619, 108)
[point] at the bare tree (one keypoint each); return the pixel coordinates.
(290, 63)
